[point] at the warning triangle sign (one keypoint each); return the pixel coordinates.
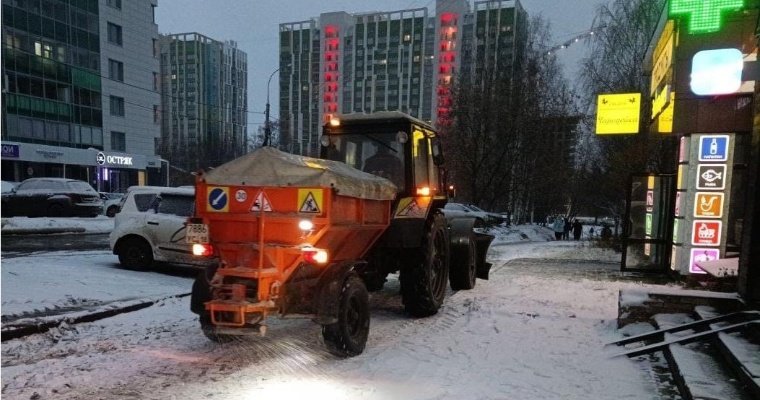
(310, 205)
(261, 202)
(410, 208)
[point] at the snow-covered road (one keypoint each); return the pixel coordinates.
(535, 330)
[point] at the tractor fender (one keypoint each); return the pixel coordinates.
(461, 232)
(329, 285)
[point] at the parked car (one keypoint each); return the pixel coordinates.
(8, 186)
(453, 210)
(111, 203)
(150, 227)
(52, 197)
(494, 218)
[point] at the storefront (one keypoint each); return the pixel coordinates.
(105, 171)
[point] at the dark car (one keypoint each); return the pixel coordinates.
(52, 197)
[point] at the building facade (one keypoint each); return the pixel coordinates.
(58, 85)
(407, 60)
(204, 101)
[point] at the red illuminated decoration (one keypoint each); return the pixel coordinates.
(446, 63)
(330, 73)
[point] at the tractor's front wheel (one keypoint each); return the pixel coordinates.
(348, 336)
(425, 275)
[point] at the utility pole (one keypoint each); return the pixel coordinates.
(267, 127)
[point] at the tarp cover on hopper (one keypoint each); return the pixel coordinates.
(268, 166)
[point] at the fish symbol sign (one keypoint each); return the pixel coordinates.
(711, 176)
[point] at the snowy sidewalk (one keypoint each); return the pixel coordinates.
(47, 225)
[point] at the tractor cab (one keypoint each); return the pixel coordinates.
(392, 145)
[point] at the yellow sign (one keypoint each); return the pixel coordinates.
(618, 113)
(412, 207)
(663, 58)
(680, 181)
(665, 119)
(310, 201)
(660, 101)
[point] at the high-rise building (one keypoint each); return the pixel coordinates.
(79, 92)
(407, 60)
(204, 101)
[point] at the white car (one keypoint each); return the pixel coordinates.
(453, 210)
(111, 203)
(150, 227)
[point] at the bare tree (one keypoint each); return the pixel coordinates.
(502, 142)
(616, 66)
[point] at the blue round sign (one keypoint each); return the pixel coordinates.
(217, 199)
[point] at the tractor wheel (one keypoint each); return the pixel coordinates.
(208, 330)
(348, 336)
(426, 271)
(135, 254)
(463, 266)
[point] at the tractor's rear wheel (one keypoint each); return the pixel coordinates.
(425, 275)
(348, 336)
(464, 265)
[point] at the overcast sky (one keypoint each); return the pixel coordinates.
(254, 25)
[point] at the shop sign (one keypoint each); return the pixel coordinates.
(708, 205)
(618, 113)
(706, 233)
(713, 148)
(10, 151)
(701, 255)
(650, 201)
(678, 205)
(103, 159)
(711, 177)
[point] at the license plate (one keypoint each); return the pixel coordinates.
(196, 233)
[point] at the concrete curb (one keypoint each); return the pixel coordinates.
(41, 231)
(42, 327)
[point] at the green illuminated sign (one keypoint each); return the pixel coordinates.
(704, 14)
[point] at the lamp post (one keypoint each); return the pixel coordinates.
(267, 128)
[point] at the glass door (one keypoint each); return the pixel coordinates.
(648, 223)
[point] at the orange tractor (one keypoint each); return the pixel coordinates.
(309, 237)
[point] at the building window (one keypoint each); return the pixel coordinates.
(155, 81)
(156, 114)
(115, 4)
(117, 106)
(156, 49)
(115, 70)
(118, 141)
(114, 34)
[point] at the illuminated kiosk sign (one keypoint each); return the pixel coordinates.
(716, 72)
(704, 15)
(618, 113)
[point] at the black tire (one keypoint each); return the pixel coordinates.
(463, 266)
(135, 254)
(208, 330)
(55, 210)
(111, 211)
(348, 336)
(374, 281)
(425, 275)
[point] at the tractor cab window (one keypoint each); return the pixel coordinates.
(375, 153)
(425, 171)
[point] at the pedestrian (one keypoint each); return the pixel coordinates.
(558, 226)
(606, 233)
(566, 231)
(591, 233)
(577, 230)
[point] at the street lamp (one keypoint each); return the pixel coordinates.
(267, 128)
